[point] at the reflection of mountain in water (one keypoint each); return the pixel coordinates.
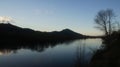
(10, 47)
(14, 38)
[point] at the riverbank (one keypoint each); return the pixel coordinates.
(108, 55)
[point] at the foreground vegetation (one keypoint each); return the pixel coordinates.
(109, 54)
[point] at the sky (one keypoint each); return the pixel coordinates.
(55, 15)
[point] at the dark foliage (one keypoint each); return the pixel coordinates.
(109, 55)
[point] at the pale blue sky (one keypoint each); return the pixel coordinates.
(51, 15)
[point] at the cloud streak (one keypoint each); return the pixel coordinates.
(5, 19)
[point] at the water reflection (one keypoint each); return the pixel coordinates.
(8, 47)
(2, 52)
(80, 55)
(75, 53)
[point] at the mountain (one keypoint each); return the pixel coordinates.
(70, 32)
(9, 32)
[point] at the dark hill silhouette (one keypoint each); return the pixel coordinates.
(9, 32)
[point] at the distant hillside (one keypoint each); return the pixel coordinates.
(11, 32)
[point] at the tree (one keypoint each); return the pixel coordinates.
(118, 26)
(104, 21)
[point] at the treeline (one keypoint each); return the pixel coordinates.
(9, 32)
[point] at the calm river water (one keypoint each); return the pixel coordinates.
(66, 54)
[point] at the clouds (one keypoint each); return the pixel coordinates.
(5, 19)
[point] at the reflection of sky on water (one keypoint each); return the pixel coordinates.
(62, 55)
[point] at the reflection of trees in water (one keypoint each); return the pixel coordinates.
(12, 47)
(80, 55)
(5, 51)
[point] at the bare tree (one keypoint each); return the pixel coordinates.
(104, 21)
(118, 25)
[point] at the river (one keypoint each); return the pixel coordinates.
(66, 54)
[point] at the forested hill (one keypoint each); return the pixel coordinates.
(15, 33)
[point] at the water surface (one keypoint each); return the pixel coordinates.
(66, 54)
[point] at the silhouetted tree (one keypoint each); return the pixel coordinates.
(104, 21)
(118, 25)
